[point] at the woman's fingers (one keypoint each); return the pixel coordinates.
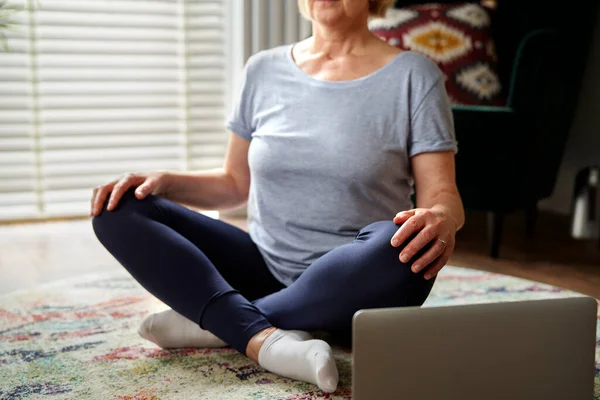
(402, 216)
(436, 267)
(435, 251)
(116, 189)
(423, 228)
(410, 227)
(93, 200)
(417, 243)
(145, 188)
(101, 192)
(120, 188)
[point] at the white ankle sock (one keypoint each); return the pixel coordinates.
(293, 355)
(169, 329)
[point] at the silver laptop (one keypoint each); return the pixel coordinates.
(538, 349)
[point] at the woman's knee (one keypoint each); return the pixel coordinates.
(392, 274)
(111, 222)
(378, 231)
(378, 236)
(419, 291)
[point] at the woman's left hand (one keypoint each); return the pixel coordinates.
(429, 226)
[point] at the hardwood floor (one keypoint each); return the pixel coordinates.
(550, 256)
(34, 253)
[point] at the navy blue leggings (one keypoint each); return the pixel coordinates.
(212, 272)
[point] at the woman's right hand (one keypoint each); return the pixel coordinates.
(146, 183)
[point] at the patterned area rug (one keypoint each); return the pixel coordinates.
(77, 339)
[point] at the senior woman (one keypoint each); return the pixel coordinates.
(327, 139)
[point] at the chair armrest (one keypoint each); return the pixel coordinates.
(460, 109)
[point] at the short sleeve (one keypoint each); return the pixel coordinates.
(239, 120)
(432, 126)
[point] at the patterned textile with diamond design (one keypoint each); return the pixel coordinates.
(457, 37)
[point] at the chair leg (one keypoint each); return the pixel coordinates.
(495, 225)
(531, 217)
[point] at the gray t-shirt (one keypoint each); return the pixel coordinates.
(330, 157)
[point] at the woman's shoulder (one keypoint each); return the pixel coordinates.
(268, 58)
(419, 66)
(413, 74)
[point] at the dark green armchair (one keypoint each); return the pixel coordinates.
(509, 156)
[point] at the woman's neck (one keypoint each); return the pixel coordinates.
(339, 42)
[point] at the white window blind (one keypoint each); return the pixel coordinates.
(17, 156)
(93, 89)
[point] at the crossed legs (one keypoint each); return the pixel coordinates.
(211, 273)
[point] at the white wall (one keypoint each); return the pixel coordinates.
(583, 145)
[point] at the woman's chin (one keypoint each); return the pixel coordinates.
(329, 17)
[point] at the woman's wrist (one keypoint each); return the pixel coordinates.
(447, 214)
(167, 179)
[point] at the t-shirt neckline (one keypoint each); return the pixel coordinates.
(338, 84)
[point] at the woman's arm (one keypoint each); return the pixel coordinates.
(214, 189)
(435, 185)
(439, 213)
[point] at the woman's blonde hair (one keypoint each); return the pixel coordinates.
(377, 8)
